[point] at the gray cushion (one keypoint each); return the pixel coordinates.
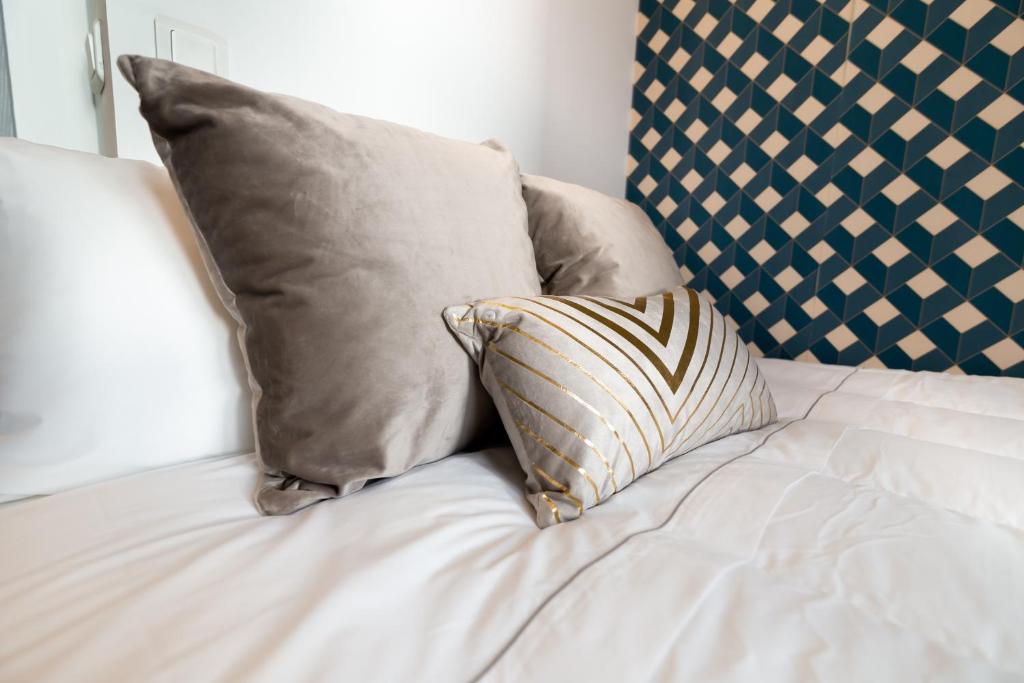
(594, 392)
(337, 240)
(589, 243)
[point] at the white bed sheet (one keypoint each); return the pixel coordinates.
(880, 538)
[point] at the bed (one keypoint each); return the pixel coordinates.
(876, 532)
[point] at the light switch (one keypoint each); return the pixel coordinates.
(191, 45)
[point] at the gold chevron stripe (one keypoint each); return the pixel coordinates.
(554, 508)
(704, 361)
(607, 362)
(725, 406)
(587, 373)
(560, 487)
(638, 304)
(760, 399)
(672, 378)
(696, 408)
(525, 428)
(750, 398)
(668, 314)
(568, 392)
(643, 373)
(568, 428)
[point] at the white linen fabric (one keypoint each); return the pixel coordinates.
(880, 538)
(115, 354)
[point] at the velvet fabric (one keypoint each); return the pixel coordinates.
(589, 243)
(336, 241)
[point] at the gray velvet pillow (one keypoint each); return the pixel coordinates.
(336, 241)
(589, 243)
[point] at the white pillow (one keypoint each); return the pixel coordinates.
(115, 353)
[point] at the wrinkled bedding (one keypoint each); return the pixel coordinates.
(876, 532)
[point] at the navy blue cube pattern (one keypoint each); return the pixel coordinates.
(844, 179)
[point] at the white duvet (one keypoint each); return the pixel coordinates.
(881, 537)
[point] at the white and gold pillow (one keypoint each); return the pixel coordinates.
(594, 391)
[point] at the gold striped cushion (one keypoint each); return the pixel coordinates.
(594, 391)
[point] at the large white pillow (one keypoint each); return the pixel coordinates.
(115, 353)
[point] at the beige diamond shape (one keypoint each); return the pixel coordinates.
(755, 65)
(1005, 354)
(987, 183)
(737, 227)
(647, 185)
(713, 203)
(787, 28)
(936, 219)
(723, 99)
(1011, 40)
(774, 144)
(795, 224)
(926, 283)
(781, 87)
(687, 229)
(881, 312)
(748, 121)
(813, 307)
(964, 317)
(666, 206)
(700, 79)
(809, 110)
(658, 41)
(756, 303)
(885, 32)
(849, 281)
(742, 175)
(915, 344)
(802, 168)
(782, 331)
(691, 180)
(890, 251)
(761, 252)
(767, 199)
(679, 59)
(821, 252)
(976, 251)
(650, 139)
(788, 278)
(857, 222)
(1012, 287)
(829, 195)
(718, 152)
(729, 44)
(817, 49)
(670, 158)
(732, 277)
(709, 252)
(841, 337)
(654, 90)
(696, 130)
(674, 110)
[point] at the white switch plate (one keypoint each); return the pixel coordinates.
(191, 45)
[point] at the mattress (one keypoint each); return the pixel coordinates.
(873, 533)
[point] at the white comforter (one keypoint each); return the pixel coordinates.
(881, 537)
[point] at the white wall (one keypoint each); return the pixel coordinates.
(549, 78)
(588, 85)
(46, 50)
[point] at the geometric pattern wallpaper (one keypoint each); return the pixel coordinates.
(844, 179)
